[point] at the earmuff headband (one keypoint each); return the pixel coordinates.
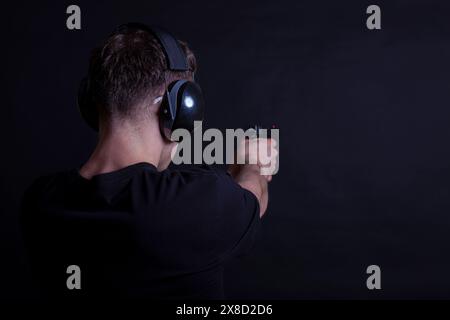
(176, 59)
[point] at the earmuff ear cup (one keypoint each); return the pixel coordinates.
(190, 106)
(166, 116)
(182, 105)
(86, 106)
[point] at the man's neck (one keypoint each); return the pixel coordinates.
(122, 147)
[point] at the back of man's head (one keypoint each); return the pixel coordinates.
(128, 71)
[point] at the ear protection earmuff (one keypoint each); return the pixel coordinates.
(182, 103)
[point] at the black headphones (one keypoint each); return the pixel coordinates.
(181, 105)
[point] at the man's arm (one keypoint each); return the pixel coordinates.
(249, 177)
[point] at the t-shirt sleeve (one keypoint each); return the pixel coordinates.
(239, 218)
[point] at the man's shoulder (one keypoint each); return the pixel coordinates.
(197, 173)
(52, 178)
(199, 184)
(47, 183)
(196, 169)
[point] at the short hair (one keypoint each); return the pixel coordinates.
(128, 69)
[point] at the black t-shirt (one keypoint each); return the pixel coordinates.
(137, 232)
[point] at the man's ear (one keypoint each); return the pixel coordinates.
(154, 105)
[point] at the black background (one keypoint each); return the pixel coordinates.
(364, 129)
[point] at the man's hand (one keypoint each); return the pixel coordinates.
(256, 161)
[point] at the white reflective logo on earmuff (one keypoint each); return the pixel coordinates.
(188, 102)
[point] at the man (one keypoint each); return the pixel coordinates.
(132, 226)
